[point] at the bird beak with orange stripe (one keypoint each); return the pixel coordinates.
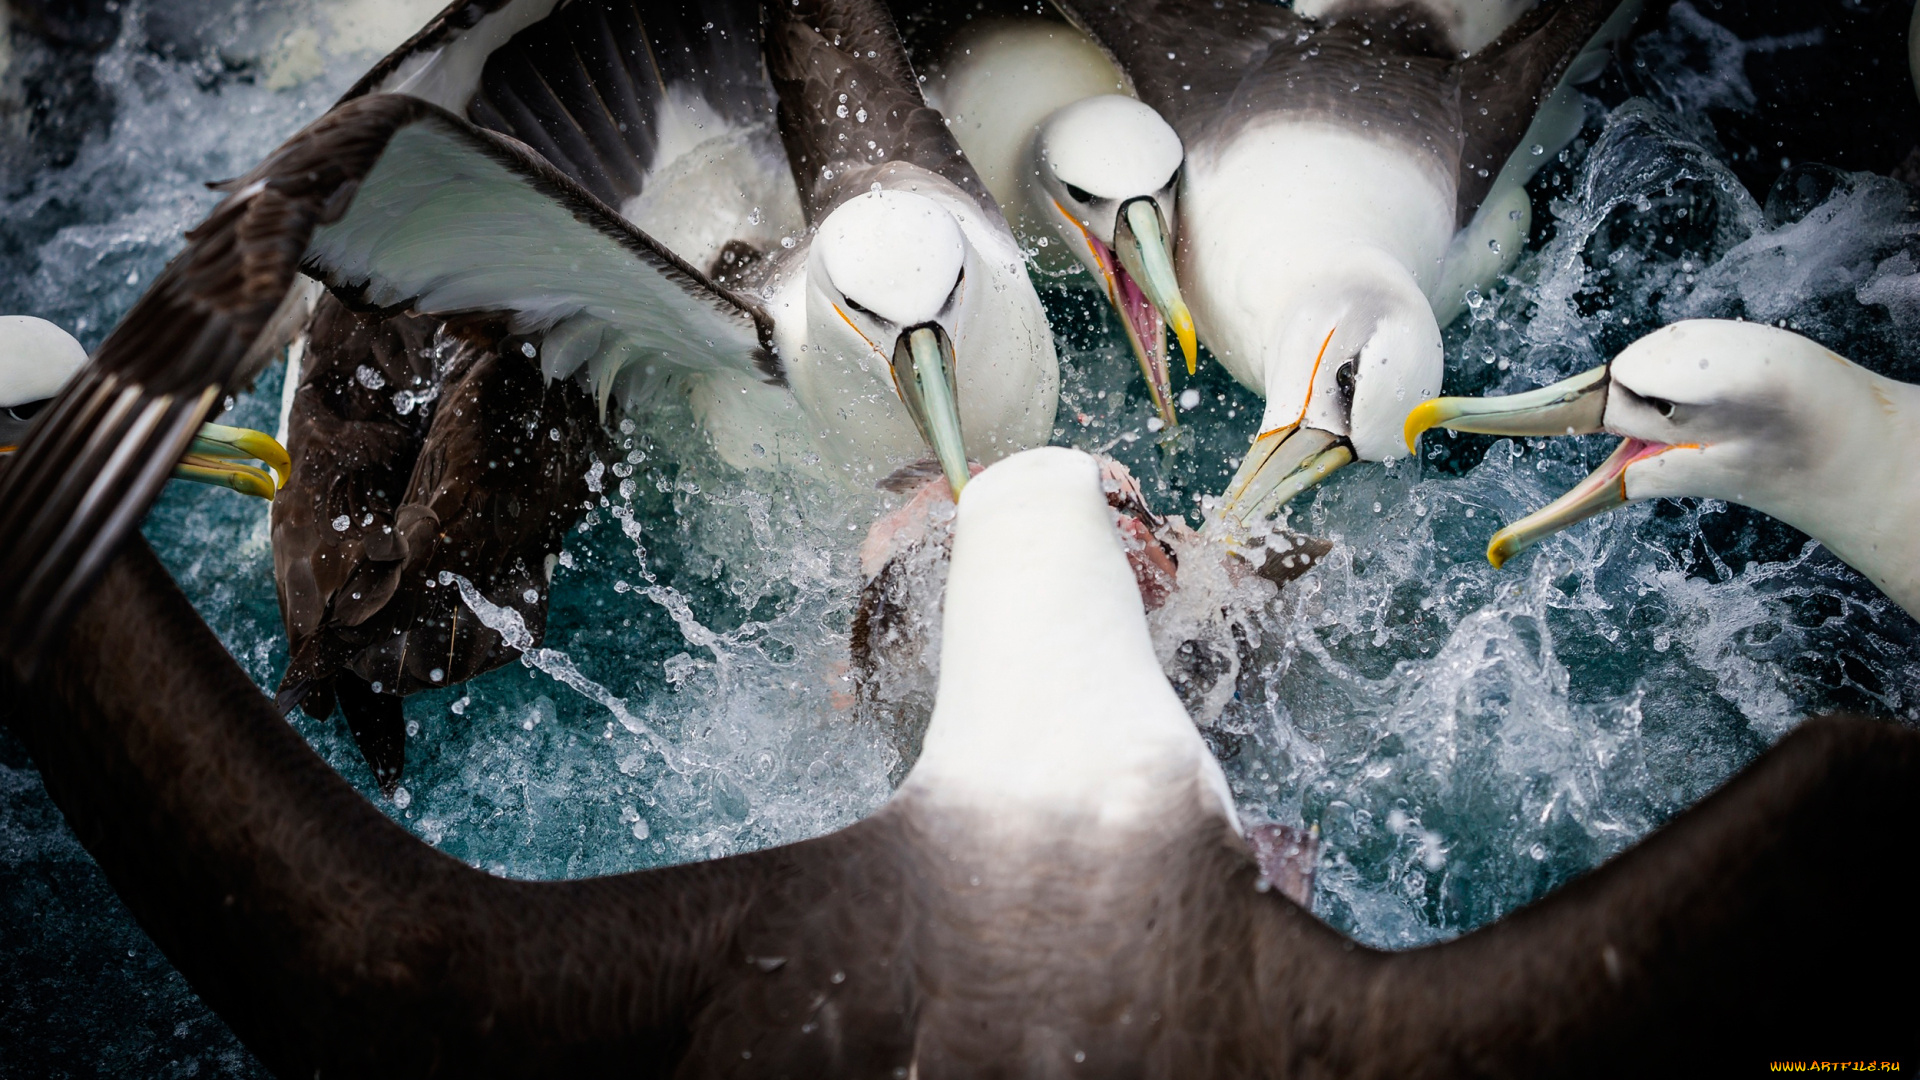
(1339, 382)
(1107, 173)
(1593, 401)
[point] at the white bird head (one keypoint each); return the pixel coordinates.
(893, 265)
(1710, 408)
(1050, 691)
(1357, 349)
(38, 358)
(1105, 169)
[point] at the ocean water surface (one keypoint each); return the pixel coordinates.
(1466, 739)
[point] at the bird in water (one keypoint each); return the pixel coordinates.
(763, 215)
(1059, 886)
(38, 358)
(1086, 172)
(1350, 167)
(826, 282)
(1740, 411)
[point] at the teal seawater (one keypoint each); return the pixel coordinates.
(1467, 739)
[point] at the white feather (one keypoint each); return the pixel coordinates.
(1050, 694)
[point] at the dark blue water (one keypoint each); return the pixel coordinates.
(1466, 738)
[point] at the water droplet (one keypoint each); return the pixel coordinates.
(341, 523)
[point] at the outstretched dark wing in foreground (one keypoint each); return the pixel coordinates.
(1755, 924)
(98, 457)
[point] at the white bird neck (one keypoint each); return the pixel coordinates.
(1863, 500)
(1051, 698)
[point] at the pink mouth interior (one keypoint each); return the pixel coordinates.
(1144, 322)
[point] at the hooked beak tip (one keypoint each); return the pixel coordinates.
(1182, 321)
(1427, 414)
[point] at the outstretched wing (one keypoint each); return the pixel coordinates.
(1700, 942)
(454, 219)
(334, 942)
(850, 103)
(398, 204)
(98, 457)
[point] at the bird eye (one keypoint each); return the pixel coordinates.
(27, 411)
(1662, 404)
(860, 307)
(1077, 194)
(1344, 378)
(954, 293)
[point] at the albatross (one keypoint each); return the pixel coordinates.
(1085, 170)
(37, 358)
(1740, 411)
(830, 286)
(1349, 168)
(1059, 886)
(768, 216)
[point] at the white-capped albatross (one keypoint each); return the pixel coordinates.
(878, 312)
(1740, 411)
(1332, 161)
(837, 352)
(1085, 171)
(1058, 888)
(37, 358)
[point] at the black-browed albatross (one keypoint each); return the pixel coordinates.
(1085, 172)
(1333, 163)
(1058, 888)
(1740, 411)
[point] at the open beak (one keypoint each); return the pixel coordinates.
(1138, 274)
(1280, 464)
(217, 456)
(924, 375)
(1575, 406)
(1140, 242)
(1601, 491)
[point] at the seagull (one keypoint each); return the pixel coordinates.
(37, 358)
(830, 287)
(1059, 887)
(1740, 411)
(1077, 162)
(1346, 169)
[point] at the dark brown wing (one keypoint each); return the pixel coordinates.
(1504, 84)
(99, 455)
(1748, 926)
(417, 452)
(394, 201)
(336, 944)
(850, 103)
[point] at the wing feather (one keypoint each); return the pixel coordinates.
(386, 197)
